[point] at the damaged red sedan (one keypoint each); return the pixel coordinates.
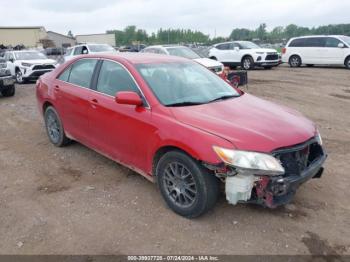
(183, 127)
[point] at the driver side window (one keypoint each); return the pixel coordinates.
(114, 78)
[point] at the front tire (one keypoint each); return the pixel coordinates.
(54, 128)
(10, 91)
(19, 77)
(295, 61)
(347, 63)
(188, 188)
(247, 63)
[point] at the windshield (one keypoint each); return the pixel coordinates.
(248, 45)
(29, 55)
(101, 48)
(346, 39)
(183, 52)
(185, 83)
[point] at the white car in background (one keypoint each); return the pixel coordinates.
(319, 50)
(84, 49)
(245, 54)
(183, 51)
(28, 64)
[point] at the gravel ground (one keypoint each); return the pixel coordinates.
(74, 201)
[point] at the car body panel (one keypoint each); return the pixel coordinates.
(132, 135)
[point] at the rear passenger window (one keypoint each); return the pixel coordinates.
(114, 78)
(332, 42)
(223, 46)
(315, 42)
(81, 72)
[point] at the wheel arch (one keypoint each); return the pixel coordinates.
(46, 104)
(247, 55)
(165, 149)
(346, 58)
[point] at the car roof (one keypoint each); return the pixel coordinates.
(165, 46)
(139, 58)
(309, 36)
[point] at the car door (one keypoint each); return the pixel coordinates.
(313, 51)
(120, 131)
(10, 59)
(223, 52)
(72, 91)
(333, 54)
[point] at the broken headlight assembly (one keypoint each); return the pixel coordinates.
(250, 162)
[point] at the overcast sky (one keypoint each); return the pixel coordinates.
(97, 16)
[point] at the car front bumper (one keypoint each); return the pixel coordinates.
(28, 73)
(267, 63)
(275, 191)
(6, 81)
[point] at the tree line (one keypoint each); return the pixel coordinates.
(132, 34)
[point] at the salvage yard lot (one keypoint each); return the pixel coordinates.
(74, 201)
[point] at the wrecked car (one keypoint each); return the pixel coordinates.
(183, 127)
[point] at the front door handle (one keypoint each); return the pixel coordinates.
(57, 88)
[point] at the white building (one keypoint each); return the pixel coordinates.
(97, 38)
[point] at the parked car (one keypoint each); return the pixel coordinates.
(317, 50)
(28, 64)
(245, 54)
(54, 51)
(7, 82)
(176, 123)
(132, 48)
(85, 49)
(186, 52)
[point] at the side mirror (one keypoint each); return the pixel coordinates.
(341, 45)
(236, 48)
(11, 60)
(128, 98)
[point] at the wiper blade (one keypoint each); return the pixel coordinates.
(186, 103)
(223, 98)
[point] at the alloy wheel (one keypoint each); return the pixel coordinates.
(179, 184)
(19, 77)
(246, 63)
(53, 127)
(294, 61)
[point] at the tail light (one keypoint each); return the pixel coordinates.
(284, 50)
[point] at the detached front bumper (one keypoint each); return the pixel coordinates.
(275, 191)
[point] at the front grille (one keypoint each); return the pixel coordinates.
(41, 67)
(271, 56)
(3, 65)
(297, 158)
(216, 69)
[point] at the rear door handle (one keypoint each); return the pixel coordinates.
(94, 103)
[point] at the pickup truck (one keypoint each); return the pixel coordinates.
(7, 82)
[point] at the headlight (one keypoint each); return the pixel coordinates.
(259, 53)
(319, 138)
(26, 64)
(259, 163)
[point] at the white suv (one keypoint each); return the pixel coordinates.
(84, 49)
(183, 51)
(27, 64)
(319, 50)
(245, 54)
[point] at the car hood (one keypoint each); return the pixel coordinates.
(208, 62)
(38, 61)
(250, 123)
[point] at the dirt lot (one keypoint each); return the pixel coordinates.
(74, 201)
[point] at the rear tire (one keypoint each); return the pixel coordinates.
(247, 63)
(188, 188)
(347, 62)
(213, 58)
(54, 128)
(294, 61)
(10, 91)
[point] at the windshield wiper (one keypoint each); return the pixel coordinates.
(223, 98)
(185, 103)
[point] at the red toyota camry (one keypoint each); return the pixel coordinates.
(183, 127)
